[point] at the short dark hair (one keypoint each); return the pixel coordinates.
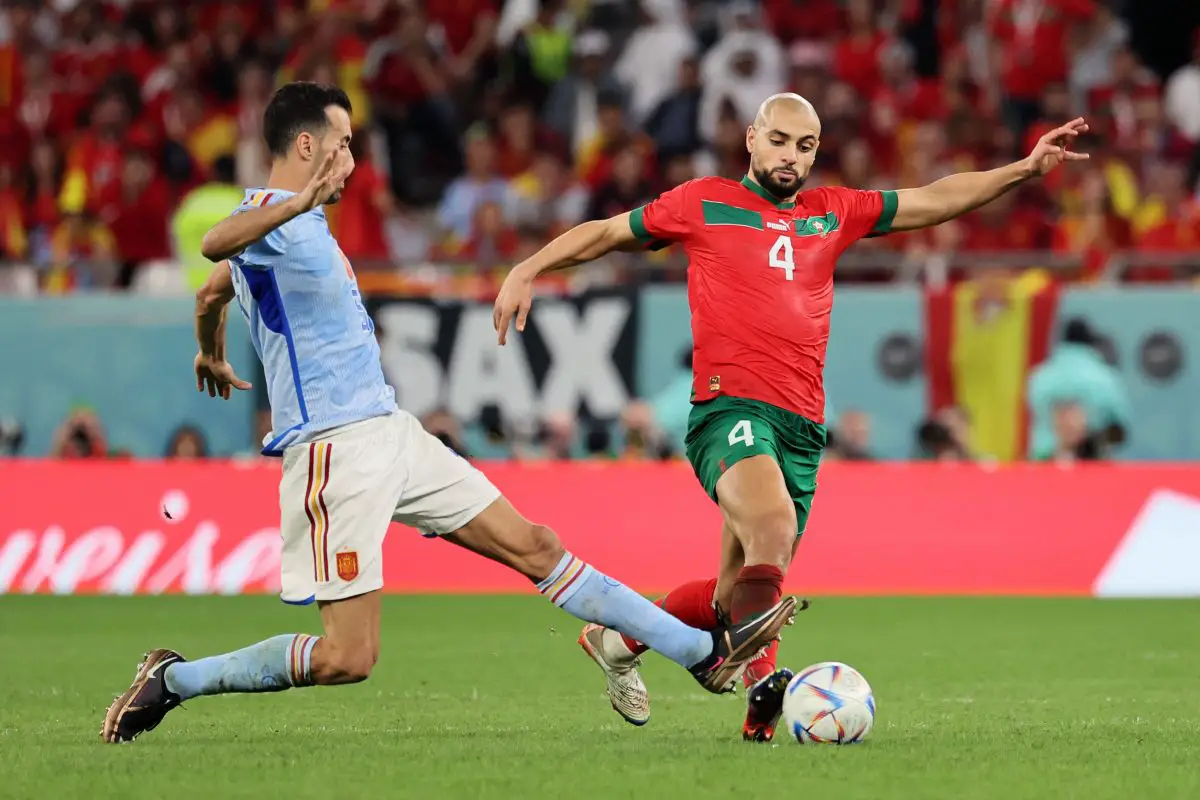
(297, 107)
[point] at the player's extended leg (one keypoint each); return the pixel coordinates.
(347, 479)
(715, 659)
(759, 541)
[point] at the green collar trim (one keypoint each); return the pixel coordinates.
(764, 194)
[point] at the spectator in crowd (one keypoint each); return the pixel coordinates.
(672, 404)
(945, 436)
(94, 161)
(572, 109)
(14, 240)
(410, 95)
(1031, 34)
(650, 63)
(626, 188)
(360, 219)
(858, 54)
(744, 66)
(541, 54)
(83, 254)
(520, 139)
(546, 199)
(1076, 375)
(442, 424)
(80, 436)
(253, 93)
(1072, 440)
(1100, 38)
(12, 437)
(852, 436)
(42, 183)
(674, 123)
(135, 211)
(199, 210)
(641, 438)
(479, 185)
(1090, 227)
(556, 436)
(1182, 97)
(187, 442)
(492, 242)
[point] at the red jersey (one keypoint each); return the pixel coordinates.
(760, 281)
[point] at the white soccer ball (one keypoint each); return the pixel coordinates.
(829, 703)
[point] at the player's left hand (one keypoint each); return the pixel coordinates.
(1053, 148)
(514, 300)
(218, 377)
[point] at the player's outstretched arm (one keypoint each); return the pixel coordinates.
(213, 372)
(235, 233)
(955, 195)
(585, 242)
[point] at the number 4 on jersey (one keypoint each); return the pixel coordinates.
(781, 256)
(741, 431)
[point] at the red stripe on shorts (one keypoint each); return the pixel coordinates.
(324, 510)
(312, 521)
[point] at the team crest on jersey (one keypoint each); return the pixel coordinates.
(817, 226)
(714, 383)
(347, 565)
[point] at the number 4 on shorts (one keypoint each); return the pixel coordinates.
(741, 433)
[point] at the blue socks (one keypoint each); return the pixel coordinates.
(273, 665)
(578, 589)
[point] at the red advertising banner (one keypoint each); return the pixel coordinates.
(876, 529)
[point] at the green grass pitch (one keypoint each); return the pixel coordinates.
(491, 697)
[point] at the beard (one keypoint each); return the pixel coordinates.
(334, 198)
(774, 186)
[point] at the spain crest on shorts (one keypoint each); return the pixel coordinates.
(347, 565)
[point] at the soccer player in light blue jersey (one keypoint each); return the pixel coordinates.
(353, 462)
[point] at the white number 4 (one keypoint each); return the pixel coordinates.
(781, 256)
(741, 433)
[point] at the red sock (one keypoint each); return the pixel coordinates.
(756, 589)
(691, 603)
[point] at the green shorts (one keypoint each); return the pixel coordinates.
(724, 430)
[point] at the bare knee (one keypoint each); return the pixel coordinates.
(334, 663)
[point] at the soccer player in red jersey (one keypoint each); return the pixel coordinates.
(760, 286)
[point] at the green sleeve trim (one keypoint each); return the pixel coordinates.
(637, 223)
(887, 215)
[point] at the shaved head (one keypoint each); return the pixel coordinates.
(783, 144)
(787, 102)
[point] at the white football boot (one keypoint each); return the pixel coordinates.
(625, 688)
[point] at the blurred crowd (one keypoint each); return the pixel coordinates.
(484, 127)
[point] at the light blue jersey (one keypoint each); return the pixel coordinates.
(312, 334)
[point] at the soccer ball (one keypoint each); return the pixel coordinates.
(829, 703)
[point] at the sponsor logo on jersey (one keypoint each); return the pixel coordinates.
(817, 226)
(347, 565)
(778, 226)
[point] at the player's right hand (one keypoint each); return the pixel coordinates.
(328, 178)
(514, 300)
(218, 377)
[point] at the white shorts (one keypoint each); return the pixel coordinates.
(340, 491)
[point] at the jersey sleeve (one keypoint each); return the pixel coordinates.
(865, 213)
(664, 220)
(283, 248)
